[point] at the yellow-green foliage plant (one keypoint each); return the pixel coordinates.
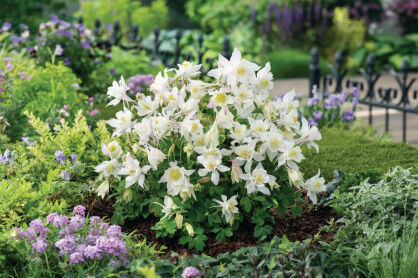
(346, 34)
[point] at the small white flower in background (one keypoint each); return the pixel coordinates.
(168, 207)
(229, 207)
(155, 156)
(160, 125)
(257, 179)
(243, 94)
(212, 165)
(147, 105)
(123, 122)
(224, 118)
(187, 70)
(219, 99)
(246, 153)
(171, 97)
(58, 50)
(144, 129)
(308, 135)
(135, 173)
(113, 150)
(118, 92)
(315, 185)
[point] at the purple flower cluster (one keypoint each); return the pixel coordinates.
(138, 82)
(7, 157)
(190, 271)
(329, 108)
(72, 238)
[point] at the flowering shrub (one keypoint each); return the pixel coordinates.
(193, 152)
(335, 108)
(68, 242)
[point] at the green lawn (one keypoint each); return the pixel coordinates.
(344, 150)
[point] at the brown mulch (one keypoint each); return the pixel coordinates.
(300, 228)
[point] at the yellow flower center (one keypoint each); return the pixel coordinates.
(231, 206)
(211, 165)
(259, 179)
(200, 141)
(171, 97)
(241, 70)
(194, 127)
(175, 174)
(259, 128)
(317, 185)
(147, 106)
(220, 98)
(212, 152)
(238, 131)
(274, 142)
(123, 119)
(195, 90)
(112, 148)
(132, 171)
(245, 154)
(265, 83)
(110, 168)
(293, 153)
(295, 118)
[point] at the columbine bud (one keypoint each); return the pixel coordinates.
(295, 177)
(136, 148)
(231, 221)
(189, 229)
(212, 137)
(188, 149)
(274, 185)
(204, 180)
(171, 149)
(127, 195)
(179, 220)
(236, 172)
(155, 156)
(103, 189)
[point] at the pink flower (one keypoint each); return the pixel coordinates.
(94, 112)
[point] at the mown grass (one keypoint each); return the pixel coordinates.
(351, 152)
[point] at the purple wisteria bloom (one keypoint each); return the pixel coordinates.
(66, 245)
(57, 220)
(60, 157)
(86, 45)
(15, 39)
(40, 245)
(67, 61)
(76, 257)
(112, 71)
(65, 175)
(138, 82)
(6, 26)
(190, 271)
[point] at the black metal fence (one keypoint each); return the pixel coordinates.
(403, 98)
(167, 58)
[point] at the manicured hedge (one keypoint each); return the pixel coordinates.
(344, 150)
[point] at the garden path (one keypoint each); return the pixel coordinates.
(301, 86)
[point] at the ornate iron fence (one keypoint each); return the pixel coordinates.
(403, 98)
(167, 58)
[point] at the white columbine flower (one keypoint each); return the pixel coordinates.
(295, 177)
(155, 156)
(161, 83)
(273, 141)
(290, 154)
(246, 153)
(238, 132)
(196, 89)
(229, 207)
(118, 91)
(144, 130)
(108, 168)
(160, 125)
(187, 70)
(308, 135)
(219, 99)
(147, 105)
(243, 94)
(135, 173)
(257, 179)
(264, 81)
(168, 207)
(212, 165)
(258, 127)
(315, 185)
(113, 150)
(175, 177)
(224, 118)
(123, 122)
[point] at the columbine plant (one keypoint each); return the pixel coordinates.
(207, 157)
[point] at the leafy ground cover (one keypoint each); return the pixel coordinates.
(352, 152)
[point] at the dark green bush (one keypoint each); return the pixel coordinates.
(351, 152)
(290, 63)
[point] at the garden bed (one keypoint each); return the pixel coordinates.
(305, 226)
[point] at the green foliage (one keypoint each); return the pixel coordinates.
(127, 12)
(388, 49)
(277, 258)
(379, 237)
(354, 179)
(45, 94)
(291, 63)
(351, 152)
(346, 34)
